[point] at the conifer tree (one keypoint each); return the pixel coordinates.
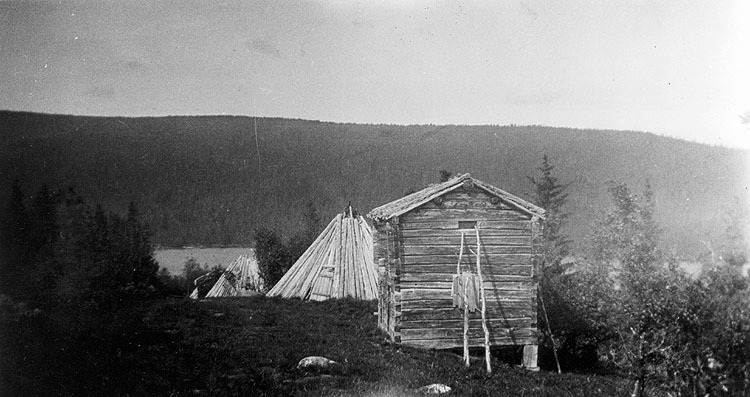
(551, 195)
(14, 234)
(445, 175)
(273, 256)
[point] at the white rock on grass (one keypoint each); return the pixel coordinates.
(435, 388)
(315, 362)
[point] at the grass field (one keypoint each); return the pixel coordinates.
(251, 346)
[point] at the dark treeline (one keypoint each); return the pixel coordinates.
(199, 180)
(73, 279)
(55, 248)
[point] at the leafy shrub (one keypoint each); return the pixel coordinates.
(652, 321)
(272, 255)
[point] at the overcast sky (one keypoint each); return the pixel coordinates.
(677, 68)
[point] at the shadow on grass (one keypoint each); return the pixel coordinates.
(248, 346)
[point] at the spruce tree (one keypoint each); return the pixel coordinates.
(14, 240)
(445, 175)
(273, 256)
(551, 195)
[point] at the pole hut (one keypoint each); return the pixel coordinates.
(424, 243)
(338, 264)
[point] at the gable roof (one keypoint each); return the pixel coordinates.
(414, 200)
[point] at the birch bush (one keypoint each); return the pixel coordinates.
(649, 319)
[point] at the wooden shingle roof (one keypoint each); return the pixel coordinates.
(416, 199)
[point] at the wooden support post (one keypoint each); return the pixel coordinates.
(467, 361)
(484, 306)
(530, 353)
(382, 285)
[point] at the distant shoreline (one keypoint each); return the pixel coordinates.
(173, 259)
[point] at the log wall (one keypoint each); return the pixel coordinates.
(421, 251)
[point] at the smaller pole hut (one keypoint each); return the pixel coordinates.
(424, 241)
(241, 278)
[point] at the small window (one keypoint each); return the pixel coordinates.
(467, 224)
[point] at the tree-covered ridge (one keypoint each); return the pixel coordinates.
(197, 180)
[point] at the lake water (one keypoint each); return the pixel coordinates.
(173, 259)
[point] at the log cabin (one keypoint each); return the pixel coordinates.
(423, 240)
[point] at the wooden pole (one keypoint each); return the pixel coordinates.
(484, 305)
(466, 305)
(549, 331)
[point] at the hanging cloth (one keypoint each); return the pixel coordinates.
(465, 286)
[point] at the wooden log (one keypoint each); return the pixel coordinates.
(457, 333)
(475, 321)
(369, 286)
(486, 233)
(451, 250)
(407, 276)
(356, 266)
(448, 259)
(442, 224)
(410, 282)
(415, 312)
(493, 269)
(436, 293)
(412, 294)
(366, 256)
(336, 285)
(397, 315)
(381, 281)
(449, 343)
(479, 203)
(453, 241)
(367, 268)
(446, 214)
(351, 275)
(509, 303)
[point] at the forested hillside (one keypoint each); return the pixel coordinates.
(201, 180)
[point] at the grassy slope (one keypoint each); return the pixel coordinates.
(198, 180)
(251, 347)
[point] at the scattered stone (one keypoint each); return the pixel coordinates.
(315, 362)
(435, 388)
